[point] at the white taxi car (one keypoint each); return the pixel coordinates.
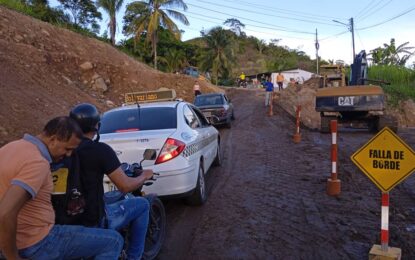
(187, 145)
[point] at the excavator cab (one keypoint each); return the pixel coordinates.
(358, 72)
(355, 105)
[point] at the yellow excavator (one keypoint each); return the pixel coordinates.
(356, 103)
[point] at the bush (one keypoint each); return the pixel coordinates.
(402, 82)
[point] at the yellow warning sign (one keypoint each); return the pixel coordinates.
(385, 159)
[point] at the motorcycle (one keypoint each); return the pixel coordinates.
(156, 231)
(242, 83)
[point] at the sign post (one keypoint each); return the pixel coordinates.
(386, 160)
(384, 233)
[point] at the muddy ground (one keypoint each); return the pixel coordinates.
(268, 199)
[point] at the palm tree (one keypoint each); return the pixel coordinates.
(218, 55)
(260, 45)
(392, 55)
(111, 7)
(147, 15)
(174, 59)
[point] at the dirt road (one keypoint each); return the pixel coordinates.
(268, 200)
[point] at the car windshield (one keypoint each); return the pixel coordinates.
(138, 120)
(208, 100)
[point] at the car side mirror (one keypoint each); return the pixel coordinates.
(149, 154)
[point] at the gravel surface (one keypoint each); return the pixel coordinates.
(268, 199)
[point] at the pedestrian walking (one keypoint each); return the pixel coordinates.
(269, 91)
(196, 88)
(280, 81)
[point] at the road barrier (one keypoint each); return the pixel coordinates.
(297, 135)
(384, 233)
(384, 251)
(333, 184)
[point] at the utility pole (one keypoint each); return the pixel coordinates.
(350, 26)
(317, 47)
(352, 30)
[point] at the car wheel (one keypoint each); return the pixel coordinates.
(218, 158)
(228, 123)
(199, 195)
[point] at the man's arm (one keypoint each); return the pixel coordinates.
(13, 200)
(128, 184)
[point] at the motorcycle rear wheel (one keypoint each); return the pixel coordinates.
(156, 231)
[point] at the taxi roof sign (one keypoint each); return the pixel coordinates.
(386, 159)
(163, 94)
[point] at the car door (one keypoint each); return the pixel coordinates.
(210, 136)
(196, 134)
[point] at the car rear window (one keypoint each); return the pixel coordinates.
(208, 100)
(138, 120)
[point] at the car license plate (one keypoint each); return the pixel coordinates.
(207, 114)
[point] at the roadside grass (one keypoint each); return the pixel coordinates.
(401, 79)
(19, 6)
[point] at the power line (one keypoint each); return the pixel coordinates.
(247, 19)
(388, 20)
(374, 11)
(216, 24)
(362, 11)
(333, 36)
(298, 13)
(360, 40)
(251, 11)
(274, 27)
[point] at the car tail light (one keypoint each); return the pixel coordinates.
(171, 149)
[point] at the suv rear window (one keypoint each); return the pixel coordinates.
(138, 119)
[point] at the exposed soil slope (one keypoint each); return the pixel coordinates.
(45, 70)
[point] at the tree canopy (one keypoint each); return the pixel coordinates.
(84, 13)
(146, 17)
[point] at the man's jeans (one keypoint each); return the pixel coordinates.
(133, 211)
(268, 95)
(69, 242)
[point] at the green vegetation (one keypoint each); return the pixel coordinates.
(402, 81)
(390, 54)
(148, 16)
(38, 9)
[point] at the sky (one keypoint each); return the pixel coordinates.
(295, 23)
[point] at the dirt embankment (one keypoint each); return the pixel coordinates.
(45, 70)
(304, 95)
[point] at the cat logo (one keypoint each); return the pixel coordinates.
(346, 101)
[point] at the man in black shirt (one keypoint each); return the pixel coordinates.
(99, 159)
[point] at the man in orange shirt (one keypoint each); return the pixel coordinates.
(27, 218)
(280, 81)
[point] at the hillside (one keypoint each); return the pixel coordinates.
(45, 70)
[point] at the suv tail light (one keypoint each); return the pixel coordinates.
(171, 149)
